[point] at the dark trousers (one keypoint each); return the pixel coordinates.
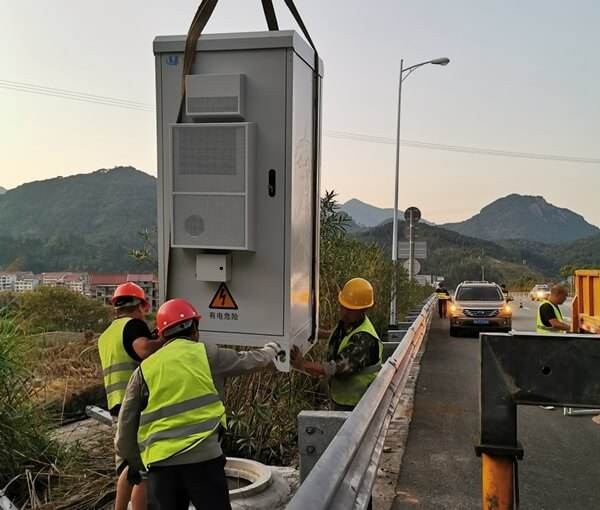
(442, 308)
(204, 484)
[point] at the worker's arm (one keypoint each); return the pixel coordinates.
(230, 363)
(325, 333)
(136, 399)
(144, 347)
(557, 324)
(313, 368)
(357, 355)
(139, 341)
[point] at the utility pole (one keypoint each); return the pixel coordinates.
(393, 306)
(443, 61)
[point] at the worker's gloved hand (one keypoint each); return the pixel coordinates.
(274, 346)
(133, 476)
(297, 359)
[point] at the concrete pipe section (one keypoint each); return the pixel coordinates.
(254, 486)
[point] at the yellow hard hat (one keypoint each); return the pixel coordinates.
(357, 294)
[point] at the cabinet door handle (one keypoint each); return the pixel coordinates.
(272, 182)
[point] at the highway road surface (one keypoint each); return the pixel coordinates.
(561, 468)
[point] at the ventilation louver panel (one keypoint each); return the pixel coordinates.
(215, 95)
(212, 203)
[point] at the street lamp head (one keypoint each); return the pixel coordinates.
(443, 61)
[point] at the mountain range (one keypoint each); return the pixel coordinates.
(82, 222)
(91, 221)
(511, 217)
(525, 217)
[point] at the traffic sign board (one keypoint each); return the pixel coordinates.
(420, 250)
(416, 266)
(413, 212)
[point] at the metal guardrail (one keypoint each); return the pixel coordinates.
(344, 476)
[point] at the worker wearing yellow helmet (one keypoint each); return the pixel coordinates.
(354, 352)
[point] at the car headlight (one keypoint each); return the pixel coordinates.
(506, 310)
(455, 310)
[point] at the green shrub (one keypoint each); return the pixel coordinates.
(24, 441)
(60, 309)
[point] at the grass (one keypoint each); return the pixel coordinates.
(25, 447)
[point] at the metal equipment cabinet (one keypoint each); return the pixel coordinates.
(238, 187)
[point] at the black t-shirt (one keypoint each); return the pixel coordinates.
(547, 313)
(135, 329)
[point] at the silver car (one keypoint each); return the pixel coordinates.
(479, 306)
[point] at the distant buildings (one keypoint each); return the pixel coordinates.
(7, 281)
(26, 281)
(18, 281)
(99, 286)
(77, 282)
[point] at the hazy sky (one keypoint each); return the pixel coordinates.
(524, 76)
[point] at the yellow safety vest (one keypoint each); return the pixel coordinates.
(184, 407)
(442, 296)
(540, 327)
(348, 390)
(117, 365)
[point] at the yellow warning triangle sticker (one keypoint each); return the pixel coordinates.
(223, 300)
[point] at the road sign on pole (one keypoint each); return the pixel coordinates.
(412, 215)
(416, 266)
(420, 250)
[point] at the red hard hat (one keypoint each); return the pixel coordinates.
(130, 289)
(173, 312)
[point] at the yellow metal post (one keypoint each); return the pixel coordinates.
(497, 482)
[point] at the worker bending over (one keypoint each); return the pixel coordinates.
(122, 347)
(354, 352)
(173, 410)
(549, 317)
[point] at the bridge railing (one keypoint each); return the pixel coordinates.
(344, 476)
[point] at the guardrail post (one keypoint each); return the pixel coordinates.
(316, 429)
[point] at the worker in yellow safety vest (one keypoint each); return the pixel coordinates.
(443, 297)
(122, 347)
(549, 317)
(173, 409)
(354, 350)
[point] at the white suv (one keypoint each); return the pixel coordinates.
(539, 292)
(479, 306)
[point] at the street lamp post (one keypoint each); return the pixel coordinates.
(436, 61)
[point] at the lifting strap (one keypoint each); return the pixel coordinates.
(270, 14)
(198, 24)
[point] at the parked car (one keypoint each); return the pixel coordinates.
(479, 306)
(539, 292)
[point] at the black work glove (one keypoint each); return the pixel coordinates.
(154, 334)
(133, 477)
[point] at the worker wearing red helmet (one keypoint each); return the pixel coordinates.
(122, 347)
(173, 410)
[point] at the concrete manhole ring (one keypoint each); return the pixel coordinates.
(257, 474)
